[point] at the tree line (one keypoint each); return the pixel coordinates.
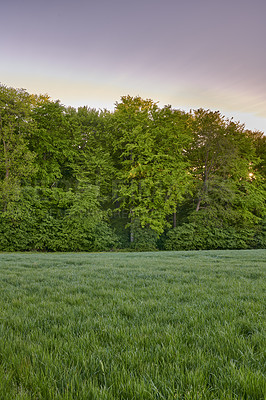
(141, 177)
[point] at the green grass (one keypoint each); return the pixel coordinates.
(165, 325)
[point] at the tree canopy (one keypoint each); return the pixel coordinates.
(140, 177)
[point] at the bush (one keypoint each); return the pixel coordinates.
(54, 220)
(195, 237)
(104, 238)
(145, 239)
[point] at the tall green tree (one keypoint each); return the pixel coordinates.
(55, 141)
(149, 152)
(16, 125)
(259, 142)
(93, 161)
(223, 163)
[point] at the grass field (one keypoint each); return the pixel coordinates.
(163, 325)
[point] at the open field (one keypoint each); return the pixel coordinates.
(165, 325)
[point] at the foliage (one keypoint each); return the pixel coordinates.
(192, 236)
(145, 239)
(54, 140)
(67, 176)
(148, 147)
(16, 160)
(55, 220)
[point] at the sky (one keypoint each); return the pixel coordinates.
(191, 54)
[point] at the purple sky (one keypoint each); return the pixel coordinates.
(189, 53)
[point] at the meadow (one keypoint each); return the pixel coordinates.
(161, 325)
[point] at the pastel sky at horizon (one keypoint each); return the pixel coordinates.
(190, 53)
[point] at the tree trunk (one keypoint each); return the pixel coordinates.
(131, 235)
(6, 160)
(198, 205)
(131, 238)
(174, 220)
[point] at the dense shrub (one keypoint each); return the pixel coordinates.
(145, 239)
(195, 237)
(54, 220)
